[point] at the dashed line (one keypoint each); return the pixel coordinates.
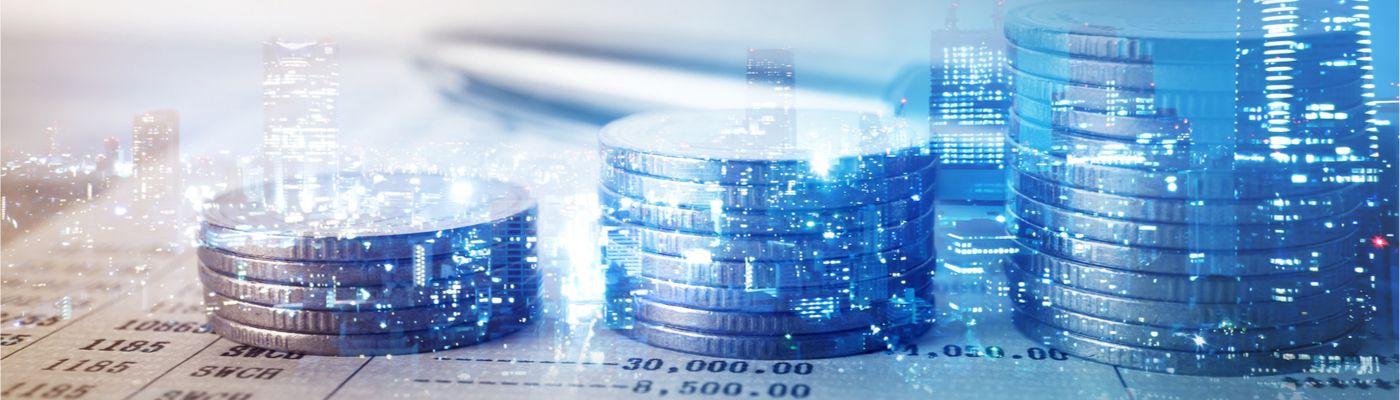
(514, 383)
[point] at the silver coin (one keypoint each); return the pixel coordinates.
(835, 296)
(1185, 236)
(1045, 120)
(775, 247)
(1098, 99)
(1160, 153)
(507, 283)
(788, 323)
(376, 217)
(346, 322)
(775, 347)
(368, 273)
(797, 196)
(1166, 261)
(1218, 74)
(1186, 362)
(1223, 184)
(1146, 32)
(700, 220)
(702, 271)
(718, 147)
(1210, 340)
(430, 340)
(1222, 212)
(1281, 311)
(1183, 288)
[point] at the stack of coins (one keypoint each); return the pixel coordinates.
(1184, 206)
(730, 242)
(369, 264)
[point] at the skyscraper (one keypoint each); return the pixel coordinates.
(969, 98)
(771, 92)
(51, 133)
(155, 157)
(301, 84)
(107, 161)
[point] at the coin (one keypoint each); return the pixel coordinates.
(795, 196)
(347, 322)
(1284, 310)
(374, 217)
(1221, 212)
(1167, 261)
(786, 323)
(834, 296)
(368, 273)
(1182, 234)
(1213, 73)
(715, 221)
(1185, 362)
(1101, 99)
(1041, 119)
(1183, 288)
(702, 271)
(431, 340)
(1211, 184)
(1149, 154)
(1207, 340)
(788, 347)
(764, 247)
(717, 147)
(503, 284)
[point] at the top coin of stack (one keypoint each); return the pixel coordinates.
(369, 264)
(731, 242)
(1157, 189)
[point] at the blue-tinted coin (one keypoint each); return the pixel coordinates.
(1217, 75)
(1185, 235)
(768, 247)
(786, 323)
(1270, 179)
(832, 296)
(1153, 32)
(794, 196)
(1181, 287)
(779, 347)
(1185, 262)
(1284, 310)
(1206, 212)
(1192, 362)
(704, 271)
(731, 222)
(721, 147)
(1206, 340)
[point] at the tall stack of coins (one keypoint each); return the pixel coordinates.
(370, 264)
(730, 242)
(1187, 184)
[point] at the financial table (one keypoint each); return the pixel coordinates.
(125, 320)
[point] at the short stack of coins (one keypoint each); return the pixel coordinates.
(729, 242)
(370, 264)
(1182, 208)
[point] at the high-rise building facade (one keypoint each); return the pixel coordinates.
(771, 92)
(969, 98)
(155, 156)
(301, 85)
